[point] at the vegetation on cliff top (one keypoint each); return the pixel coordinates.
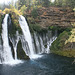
(14, 14)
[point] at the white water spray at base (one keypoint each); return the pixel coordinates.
(6, 54)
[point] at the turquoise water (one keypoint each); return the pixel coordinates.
(47, 65)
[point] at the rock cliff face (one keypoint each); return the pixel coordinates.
(62, 17)
(55, 16)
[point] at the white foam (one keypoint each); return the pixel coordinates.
(35, 56)
(13, 63)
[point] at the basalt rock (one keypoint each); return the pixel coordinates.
(20, 52)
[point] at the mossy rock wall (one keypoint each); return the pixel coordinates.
(12, 50)
(1, 21)
(59, 47)
(20, 52)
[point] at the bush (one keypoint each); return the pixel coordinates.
(11, 11)
(23, 9)
(34, 13)
(14, 14)
(34, 27)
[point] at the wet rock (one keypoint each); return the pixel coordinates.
(20, 52)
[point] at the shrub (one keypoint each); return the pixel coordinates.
(14, 14)
(34, 27)
(23, 9)
(11, 11)
(34, 13)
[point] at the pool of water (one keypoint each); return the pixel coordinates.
(49, 64)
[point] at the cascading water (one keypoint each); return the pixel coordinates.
(33, 46)
(14, 40)
(24, 45)
(43, 43)
(38, 45)
(7, 55)
(27, 35)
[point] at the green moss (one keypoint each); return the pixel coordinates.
(35, 27)
(52, 27)
(20, 52)
(67, 53)
(1, 20)
(34, 13)
(59, 47)
(60, 29)
(59, 43)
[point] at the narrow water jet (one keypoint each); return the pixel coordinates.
(14, 40)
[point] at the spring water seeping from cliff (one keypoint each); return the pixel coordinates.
(27, 35)
(6, 56)
(32, 45)
(43, 41)
(14, 40)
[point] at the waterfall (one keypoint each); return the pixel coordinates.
(43, 43)
(33, 45)
(27, 35)
(7, 55)
(14, 40)
(24, 45)
(38, 42)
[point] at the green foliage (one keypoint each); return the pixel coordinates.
(70, 3)
(68, 29)
(1, 20)
(34, 27)
(59, 43)
(23, 9)
(60, 29)
(46, 3)
(11, 11)
(67, 53)
(14, 14)
(27, 3)
(34, 13)
(53, 28)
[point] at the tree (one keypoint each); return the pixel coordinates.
(46, 3)
(70, 3)
(20, 3)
